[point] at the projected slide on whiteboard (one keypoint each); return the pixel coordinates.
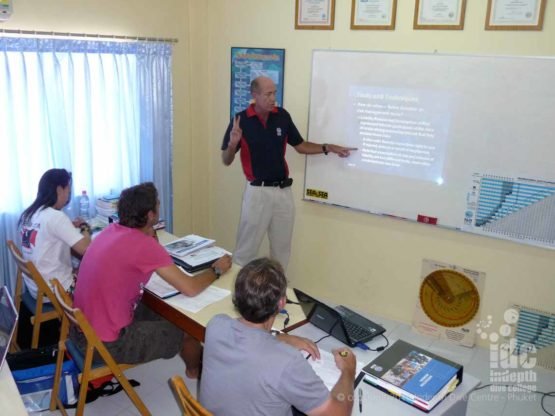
(463, 142)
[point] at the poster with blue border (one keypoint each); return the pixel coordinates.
(249, 63)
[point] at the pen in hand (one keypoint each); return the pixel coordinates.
(360, 400)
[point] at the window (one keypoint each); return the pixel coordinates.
(102, 110)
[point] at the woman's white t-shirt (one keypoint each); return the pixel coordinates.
(47, 240)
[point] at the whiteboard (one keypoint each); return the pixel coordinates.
(464, 142)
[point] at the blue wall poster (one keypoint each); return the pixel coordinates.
(249, 63)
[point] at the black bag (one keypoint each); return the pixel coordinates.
(25, 359)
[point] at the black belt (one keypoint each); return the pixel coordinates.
(284, 183)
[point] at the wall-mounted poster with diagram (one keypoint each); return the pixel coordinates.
(248, 64)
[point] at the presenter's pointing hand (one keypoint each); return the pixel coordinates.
(236, 132)
(340, 150)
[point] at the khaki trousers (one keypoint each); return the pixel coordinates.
(265, 210)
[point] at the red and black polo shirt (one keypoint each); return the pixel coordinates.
(263, 144)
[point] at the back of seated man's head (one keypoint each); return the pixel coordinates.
(135, 203)
(258, 289)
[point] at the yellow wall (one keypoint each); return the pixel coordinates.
(369, 262)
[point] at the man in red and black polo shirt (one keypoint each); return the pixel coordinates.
(262, 133)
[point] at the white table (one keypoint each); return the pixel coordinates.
(10, 400)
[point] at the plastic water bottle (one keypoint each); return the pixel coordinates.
(84, 206)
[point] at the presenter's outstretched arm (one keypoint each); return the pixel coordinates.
(309, 148)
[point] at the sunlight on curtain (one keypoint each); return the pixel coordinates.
(102, 110)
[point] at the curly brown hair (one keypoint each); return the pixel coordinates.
(135, 203)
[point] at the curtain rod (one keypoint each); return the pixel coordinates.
(85, 35)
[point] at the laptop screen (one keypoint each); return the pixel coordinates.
(307, 303)
(8, 321)
(321, 315)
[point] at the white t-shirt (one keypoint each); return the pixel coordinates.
(46, 240)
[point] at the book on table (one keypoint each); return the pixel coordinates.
(187, 245)
(200, 259)
(413, 375)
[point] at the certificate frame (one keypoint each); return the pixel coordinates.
(249, 63)
(494, 23)
(305, 21)
(358, 25)
(420, 21)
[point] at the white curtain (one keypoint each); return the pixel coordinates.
(102, 110)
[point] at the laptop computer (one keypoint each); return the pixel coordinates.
(340, 322)
(8, 322)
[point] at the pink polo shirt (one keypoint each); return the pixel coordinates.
(117, 264)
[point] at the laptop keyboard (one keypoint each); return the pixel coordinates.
(355, 331)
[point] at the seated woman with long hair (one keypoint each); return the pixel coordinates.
(47, 233)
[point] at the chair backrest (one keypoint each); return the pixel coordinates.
(29, 269)
(189, 405)
(77, 317)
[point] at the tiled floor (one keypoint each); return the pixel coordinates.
(156, 393)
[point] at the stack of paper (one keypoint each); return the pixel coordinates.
(106, 206)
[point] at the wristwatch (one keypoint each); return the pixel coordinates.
(217, 271)
(325, 149)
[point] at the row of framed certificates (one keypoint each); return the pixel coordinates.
(428, 14)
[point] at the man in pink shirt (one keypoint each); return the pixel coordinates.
(119, 262)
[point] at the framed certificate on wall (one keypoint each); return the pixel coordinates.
(439, 14)
(314, 14)
(515, 14)
(373, 14)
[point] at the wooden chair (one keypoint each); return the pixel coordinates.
(189, 405)
(41, 311)
(90, 369)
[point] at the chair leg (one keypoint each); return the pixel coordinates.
(36, 333)
(84, 381)
(37, 322)
(130, 390)
(117, 372)
(57, 377)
